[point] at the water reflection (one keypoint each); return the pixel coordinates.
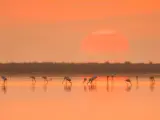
(85, 88)
(137, 86)
(112, 85)
(107, 86)
(128, 88)
(33, 86)
(152, 86)
(45, 86)
(92, 87)
(4, 88)
(137, 83)
(67, 87)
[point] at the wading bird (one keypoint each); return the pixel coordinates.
(33, 78)
(128, 81)
(128, 86)
(91, 79)
(84, 80)
(4, 79)
(45, 78)
(152, 79)
(67, 79)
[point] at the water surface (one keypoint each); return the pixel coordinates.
(20, 99)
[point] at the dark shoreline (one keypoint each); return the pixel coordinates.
(79, 69)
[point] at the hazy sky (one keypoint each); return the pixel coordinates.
(53, 30)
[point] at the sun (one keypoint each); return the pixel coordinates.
(105, 42)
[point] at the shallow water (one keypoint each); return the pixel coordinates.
(20, 99)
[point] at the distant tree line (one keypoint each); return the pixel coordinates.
(78, 68)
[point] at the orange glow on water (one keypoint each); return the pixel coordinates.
(54, 103)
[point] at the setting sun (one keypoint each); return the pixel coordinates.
(105, 42)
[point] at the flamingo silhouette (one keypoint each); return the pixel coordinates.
(84, 80)
(33, 78)
(4, 79)
(152, 79)
(67, 79)
(128, 81)
(128, 86)
(45, 78)
(45, 87)
(92, 79)
(152, 86)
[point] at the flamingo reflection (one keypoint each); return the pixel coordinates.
(45, 86)
(92, 87)
(128, 88)
(4, 88)
(137, 82)
(107, 87)
(33, 86)
(67, 87)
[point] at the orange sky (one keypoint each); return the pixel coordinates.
(66, 10)
(52, 30)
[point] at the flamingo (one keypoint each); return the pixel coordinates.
(91, 79)
(45, 78)
(152, 86)
(152, 79)
(128, 81)
(67, 79)
(4, 79)
(33, 78)
(128, 87)
(84, 80)
(152, 83)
